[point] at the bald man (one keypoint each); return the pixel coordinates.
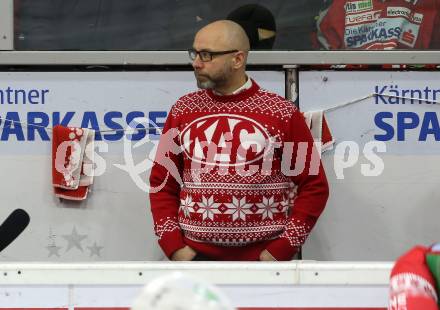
(224, 72)
(236, 176)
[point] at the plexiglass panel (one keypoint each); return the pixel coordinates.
(276, 24)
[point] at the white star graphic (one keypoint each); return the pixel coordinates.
(238, 208)
(207, 207)
(74, 240)
(285, 205)
(187, 205)
(53, 250)
(267, 207)
(95, 249)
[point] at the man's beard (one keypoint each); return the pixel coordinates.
(207, 83)
(213, 81)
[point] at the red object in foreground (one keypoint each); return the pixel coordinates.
(290, 308)
(412, 286)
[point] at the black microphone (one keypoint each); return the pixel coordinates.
(14, 225)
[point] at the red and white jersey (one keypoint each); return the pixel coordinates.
(380, 24)
(412, 286)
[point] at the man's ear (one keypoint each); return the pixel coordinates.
(239, 59)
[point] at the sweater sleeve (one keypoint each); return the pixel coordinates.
(307, 173)
(165, 180)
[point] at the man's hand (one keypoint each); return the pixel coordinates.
(265, 256)
(184, 254)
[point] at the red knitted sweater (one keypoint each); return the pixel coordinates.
(231, 177)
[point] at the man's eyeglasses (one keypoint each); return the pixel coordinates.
(207, 55)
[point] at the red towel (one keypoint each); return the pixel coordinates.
(319, 129)
(68, 160)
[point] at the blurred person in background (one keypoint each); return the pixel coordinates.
(259, 24)
(380, 25)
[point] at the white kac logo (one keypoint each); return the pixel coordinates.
(225, 140)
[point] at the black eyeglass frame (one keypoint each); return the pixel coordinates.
(209, 54)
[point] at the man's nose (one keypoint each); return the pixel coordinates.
(197, 62)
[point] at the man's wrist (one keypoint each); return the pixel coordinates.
(184, 254)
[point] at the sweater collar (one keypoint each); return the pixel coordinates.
(246, 85)
(245, 91)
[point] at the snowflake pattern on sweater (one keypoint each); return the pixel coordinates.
(235, 192)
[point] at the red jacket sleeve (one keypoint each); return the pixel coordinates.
(330, 26)
(312, 190)
(435, 37)
(165, 180)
